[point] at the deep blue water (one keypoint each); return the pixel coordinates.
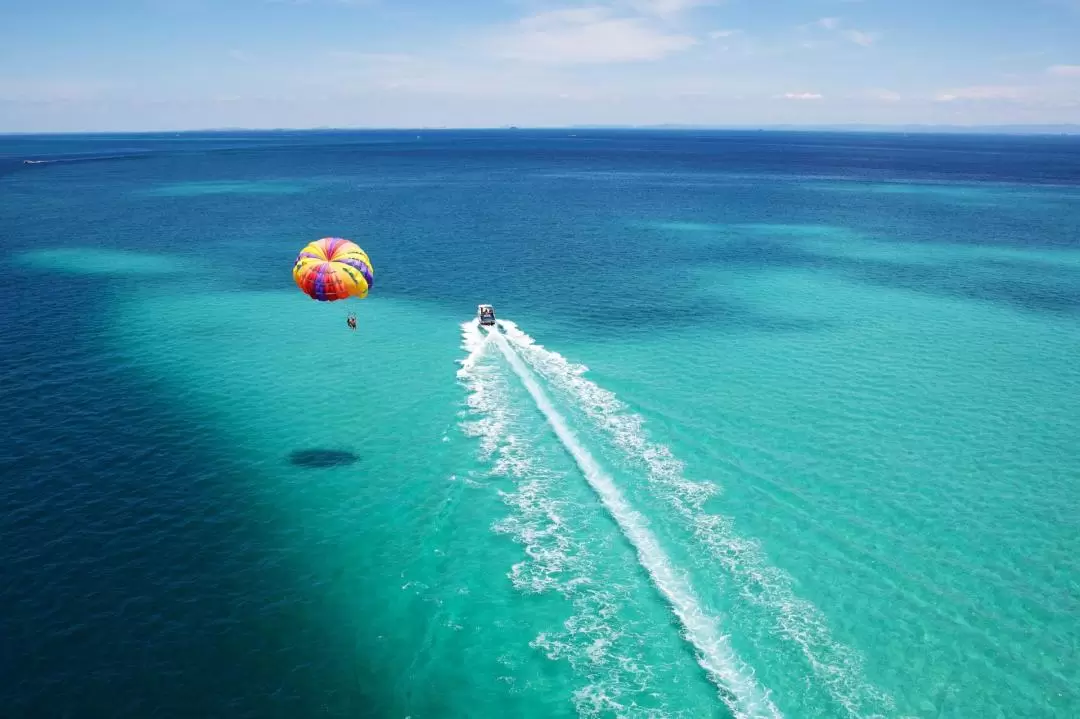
(218, 502)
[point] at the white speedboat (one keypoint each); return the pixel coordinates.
(486, 314)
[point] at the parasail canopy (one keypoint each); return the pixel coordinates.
(332, 269)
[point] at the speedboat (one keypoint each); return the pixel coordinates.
(486, 314)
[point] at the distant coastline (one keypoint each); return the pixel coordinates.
(1056, 129)
(1049, 129)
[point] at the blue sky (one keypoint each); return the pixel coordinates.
(176, 64)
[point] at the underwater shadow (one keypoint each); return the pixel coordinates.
(1055, 292)
(615, 319)
(197, 593)
(322, 458)
(1030, 285)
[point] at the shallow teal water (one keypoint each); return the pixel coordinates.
(749, 443)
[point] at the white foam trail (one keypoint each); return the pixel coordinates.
(836, 666)
(604, 651)
(738, 689)
(484, 398)
(475, 341)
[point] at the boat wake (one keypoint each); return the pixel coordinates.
(738, 689)
(795, 621)
(85, 158)
(603, 649)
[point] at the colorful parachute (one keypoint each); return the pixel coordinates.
(333, 269)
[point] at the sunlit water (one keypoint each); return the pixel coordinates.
(775, 425)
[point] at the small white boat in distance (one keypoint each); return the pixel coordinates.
(486, 314)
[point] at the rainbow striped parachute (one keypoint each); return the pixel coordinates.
(333, 269)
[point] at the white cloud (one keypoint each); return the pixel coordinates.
(363, 74)
(1064, 70)
(801, 96)
(372, 58)
(720, 34)
(885, 95)
(588, 35)
(666, 8)
(833, 25)
(982, 92)
(866, 39)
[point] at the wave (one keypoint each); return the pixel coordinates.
(836, 667)
(91, 158)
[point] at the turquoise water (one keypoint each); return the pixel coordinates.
(770, 428)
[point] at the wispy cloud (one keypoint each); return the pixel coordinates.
(1064, 70)
(667, 8)
(885, 95)
(355, 3)
(801, 96)
(982, 92)
(866, 39)
(588, 35)
(834, 25)
(397, 75)
(372, 58)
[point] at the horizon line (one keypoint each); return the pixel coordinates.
(989, 128)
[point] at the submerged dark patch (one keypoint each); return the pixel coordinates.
(322, 458)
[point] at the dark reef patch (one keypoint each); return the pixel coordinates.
(322, 458)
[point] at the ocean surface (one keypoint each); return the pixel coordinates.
(776, 424)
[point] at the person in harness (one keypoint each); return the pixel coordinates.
(351, 321)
